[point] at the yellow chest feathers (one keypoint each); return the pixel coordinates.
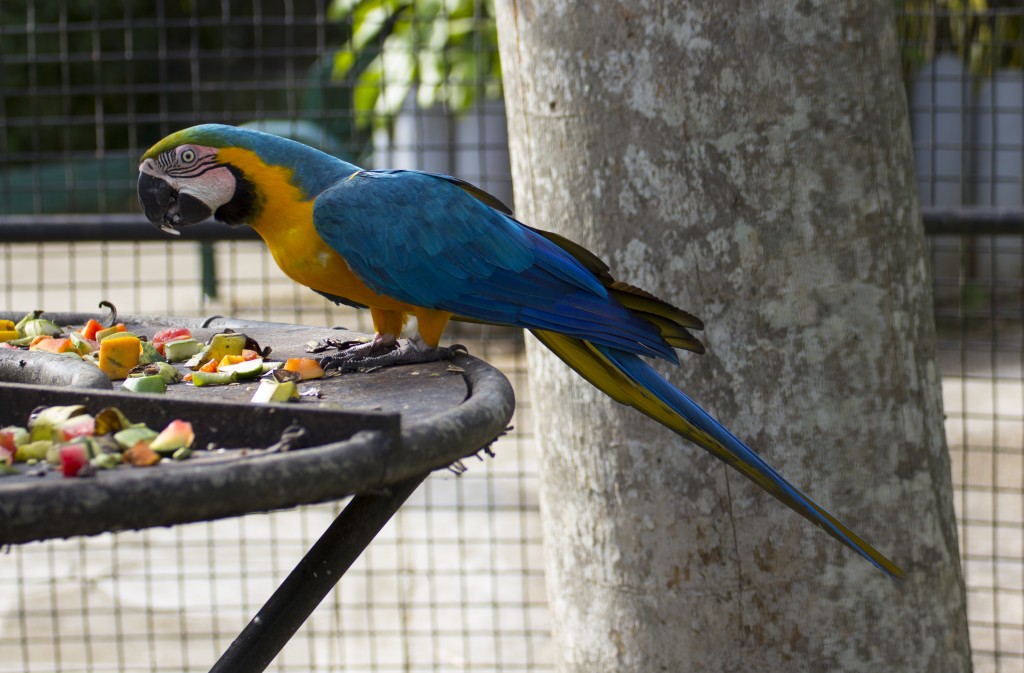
(284, 219)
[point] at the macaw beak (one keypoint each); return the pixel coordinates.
(166, 208)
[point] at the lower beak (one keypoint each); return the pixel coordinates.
(167, 209)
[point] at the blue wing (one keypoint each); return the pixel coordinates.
(424, 240)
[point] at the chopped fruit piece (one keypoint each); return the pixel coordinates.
(177, 435)
(162, 369)
(31, 315)
(150, 354)
(209, 367)
(225, 344)
(274, 391)
(247, 369)
(104, 333)
(83, 345)
(229, 360)
(140, 455)
(90, 329)
(41, 327)
(201, 378)
(13, 436)
(122, 333)
(72, 459)
(180, 350)
(118, 355)
(32, 451)
(307, 368)
(171, 334)
(129, 437)
(145, 384)
(106, 461)
(44, 423)
(111, 419)
(12, 439)
(76, 426)
(53, 345)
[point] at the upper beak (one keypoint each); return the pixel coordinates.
(156, 197)
(166, 208)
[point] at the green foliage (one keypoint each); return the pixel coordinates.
(985, 34)
(447, 50)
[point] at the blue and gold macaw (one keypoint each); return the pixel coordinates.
(406, 243)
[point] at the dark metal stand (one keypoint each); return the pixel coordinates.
(313, 578)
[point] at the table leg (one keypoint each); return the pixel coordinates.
(312, 579)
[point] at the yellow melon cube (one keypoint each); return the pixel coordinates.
(118, 355)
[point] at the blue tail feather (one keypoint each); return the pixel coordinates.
(739, 454)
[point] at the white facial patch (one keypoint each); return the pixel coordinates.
(193, 170)
(215, 187)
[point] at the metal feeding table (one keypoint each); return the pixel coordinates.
(376, 435)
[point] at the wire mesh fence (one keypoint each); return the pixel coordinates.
(981, 344)
(966, 94)
(455, 582)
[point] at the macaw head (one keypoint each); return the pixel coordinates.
(183, 180)
(229, 173)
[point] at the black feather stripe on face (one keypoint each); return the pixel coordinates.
(193, 170)
(244, 204)
(165, 160)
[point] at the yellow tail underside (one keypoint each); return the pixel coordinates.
(589, 363)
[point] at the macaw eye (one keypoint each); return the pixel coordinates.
(187, 156)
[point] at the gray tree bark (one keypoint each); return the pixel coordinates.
(750, 162)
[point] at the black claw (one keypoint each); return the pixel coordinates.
(338, 362)
(338, 344)
(393, 354)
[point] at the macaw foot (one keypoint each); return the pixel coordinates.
(379, 345)
(388, 353)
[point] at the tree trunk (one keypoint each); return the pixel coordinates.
(750, 162)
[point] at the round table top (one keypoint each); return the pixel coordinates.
(364, 431)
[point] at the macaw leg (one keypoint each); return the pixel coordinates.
(410, 352)
(379, 345)
(387, 325)
(386, 351)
